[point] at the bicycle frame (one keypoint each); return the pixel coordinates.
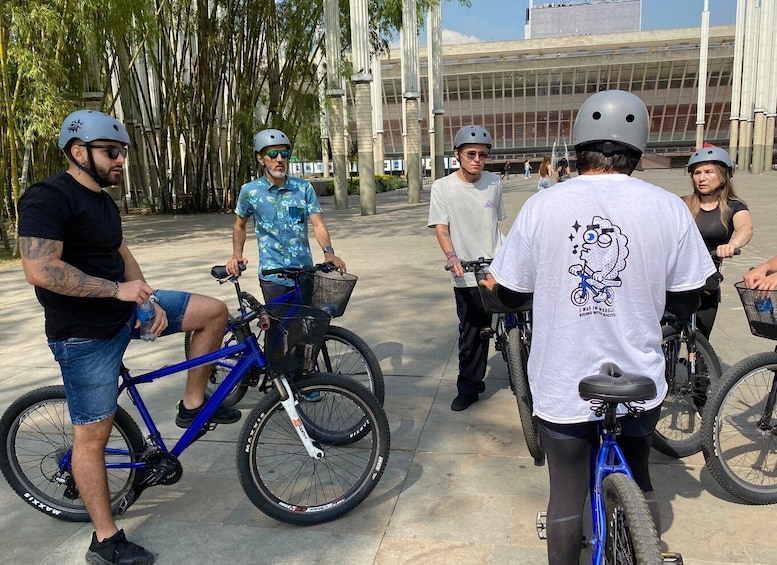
(251, 355)
(605, 460)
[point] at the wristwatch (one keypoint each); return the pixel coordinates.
(329, 249)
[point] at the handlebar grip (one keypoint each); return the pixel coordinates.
(714, 252)
(264, 321)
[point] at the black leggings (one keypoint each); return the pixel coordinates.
(569, 468)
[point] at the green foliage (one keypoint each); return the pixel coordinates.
(383, 183)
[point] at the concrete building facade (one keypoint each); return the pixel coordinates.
(582, 17)
(526, 92)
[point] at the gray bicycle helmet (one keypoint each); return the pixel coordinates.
(707, 154)
(612, 117)
(270, 137)
(90, 125)
(472, 134)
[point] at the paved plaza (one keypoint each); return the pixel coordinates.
(460, 487)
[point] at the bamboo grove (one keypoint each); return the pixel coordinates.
(193, 81)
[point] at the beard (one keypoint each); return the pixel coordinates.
(276, 174)
(107, 175)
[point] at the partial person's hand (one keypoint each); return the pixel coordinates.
(160, 321)
(726, 250)
(758, 278)
(134, 291)
(336, 261)
(489, 282)
(453, 264)
(233, 265)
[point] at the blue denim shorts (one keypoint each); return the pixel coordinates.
(90, 367)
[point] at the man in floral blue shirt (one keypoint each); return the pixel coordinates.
(281, 206)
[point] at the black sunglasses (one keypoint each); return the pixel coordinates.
(113, 151)
(273, 153)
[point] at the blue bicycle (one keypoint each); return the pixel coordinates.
(311, 450)
(622, 526)
(342, 352)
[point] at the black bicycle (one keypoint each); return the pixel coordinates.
(512, 338)
(692, 371)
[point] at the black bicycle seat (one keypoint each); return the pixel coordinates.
(619, 388)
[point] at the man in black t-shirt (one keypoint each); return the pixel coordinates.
(88, 283)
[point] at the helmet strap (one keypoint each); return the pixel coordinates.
(90, 170)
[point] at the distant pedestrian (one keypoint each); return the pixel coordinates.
(527, 169)
(546, 172)
(506, 170)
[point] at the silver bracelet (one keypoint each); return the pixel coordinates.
(116, 290)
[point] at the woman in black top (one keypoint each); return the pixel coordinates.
(722, 217)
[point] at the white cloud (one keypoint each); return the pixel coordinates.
(450, 37)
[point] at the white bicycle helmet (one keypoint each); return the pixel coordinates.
(472, 134)
(611, 118)
(269, 137)
(91, 125)
(708, 154)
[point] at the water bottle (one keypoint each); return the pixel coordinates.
(764, 307)
(146, 316)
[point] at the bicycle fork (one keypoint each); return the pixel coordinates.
(290, 405)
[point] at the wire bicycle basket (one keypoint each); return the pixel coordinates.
(331, 291)
(759, 309)
(295, 337)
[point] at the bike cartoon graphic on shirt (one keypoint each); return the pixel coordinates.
(603, 256)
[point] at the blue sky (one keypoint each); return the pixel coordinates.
(503, 20)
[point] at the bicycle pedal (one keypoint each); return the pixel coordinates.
(486, 333)
(542, 529)
(671, 557)
(125, 502)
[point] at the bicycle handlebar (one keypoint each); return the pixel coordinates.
(296, 272)
(473, 266)
(714, 252)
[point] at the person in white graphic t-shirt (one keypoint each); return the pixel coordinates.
(602, 254)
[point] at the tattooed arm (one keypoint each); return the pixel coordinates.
(44, 267)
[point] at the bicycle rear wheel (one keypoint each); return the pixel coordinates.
(631, 535)
(678, 431)
(284, 482)
(36, 438)
(517, 358)
(739, 433)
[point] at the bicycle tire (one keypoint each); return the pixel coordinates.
(631, 535)
(517, 358)
(219, 372)
(345, 353)
(284, 482)
(741, 452)
(678, 431)
(35, 432)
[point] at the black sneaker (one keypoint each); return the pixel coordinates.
(463, 401)
(116, 549)
(222, 415)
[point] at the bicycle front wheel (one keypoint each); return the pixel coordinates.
(345, 353)
(739, 435)
(36, 438)
(284, 482)
(517, 358)
(678, 431)
(631, 535)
